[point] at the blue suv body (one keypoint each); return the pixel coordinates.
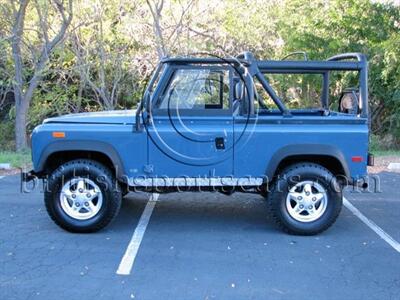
(212, 124)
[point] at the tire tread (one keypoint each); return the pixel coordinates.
(274, 200)
(79, 163)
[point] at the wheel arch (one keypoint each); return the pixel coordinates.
(57, 153)
(328, 156)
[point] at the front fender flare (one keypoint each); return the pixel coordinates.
(81, 145)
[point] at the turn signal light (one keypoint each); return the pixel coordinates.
(58, 134)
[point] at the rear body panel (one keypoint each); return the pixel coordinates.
(272, 139)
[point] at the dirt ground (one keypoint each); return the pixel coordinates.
(13, 171)
(382, 163)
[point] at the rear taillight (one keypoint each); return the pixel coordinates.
(371, 159)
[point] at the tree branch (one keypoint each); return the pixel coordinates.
(158, 32)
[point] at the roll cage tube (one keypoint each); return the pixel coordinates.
(334, 63)
(363, 78)
(242, 66)
(253, 68)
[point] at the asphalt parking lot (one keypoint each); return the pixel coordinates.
(200, 246)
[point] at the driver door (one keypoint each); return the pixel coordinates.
(191, 131)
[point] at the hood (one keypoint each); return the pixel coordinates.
(102, 117)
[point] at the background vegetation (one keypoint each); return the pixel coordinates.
(67, 56)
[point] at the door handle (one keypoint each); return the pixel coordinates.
(220, 143)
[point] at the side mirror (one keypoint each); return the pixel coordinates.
(349, 102)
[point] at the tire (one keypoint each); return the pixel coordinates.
(305, 199)
(67, 188)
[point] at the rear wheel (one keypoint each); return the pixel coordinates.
(305, 199)
(82, 196)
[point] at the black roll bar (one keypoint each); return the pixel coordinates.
(253, 68)
(334, 63)
(309, 65)
(325, 91)
(272, 93)
(350, 55)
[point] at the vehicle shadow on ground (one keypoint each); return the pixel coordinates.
(205, 212)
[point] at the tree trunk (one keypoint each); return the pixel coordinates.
(24, 89)
(21, 109)
(20, 106)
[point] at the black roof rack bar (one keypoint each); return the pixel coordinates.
(308, 65)
(344, 56)
(296, 53)
(333, 63)
(207, 60)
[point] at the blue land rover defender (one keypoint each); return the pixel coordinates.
(215, 124)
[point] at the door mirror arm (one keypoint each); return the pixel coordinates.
(139, 111)
(148, 105)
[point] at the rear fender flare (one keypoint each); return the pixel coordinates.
(305, 150)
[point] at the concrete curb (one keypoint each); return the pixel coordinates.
(5, 166)
(394, 166)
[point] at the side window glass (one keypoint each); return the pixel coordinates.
(197, 89)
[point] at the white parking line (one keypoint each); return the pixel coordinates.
(379, 231)
(128, 259)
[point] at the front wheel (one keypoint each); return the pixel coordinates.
(82, 196)
(305, 199)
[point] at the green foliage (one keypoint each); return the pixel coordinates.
(16, 159)
(7, 135)
(298, 90)
(375, 144)
(325, 28)
(379, 153)
(384, 142)
(111, 49)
